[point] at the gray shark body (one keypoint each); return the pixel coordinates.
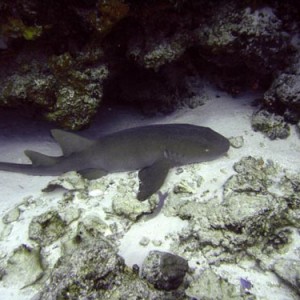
(152, 150)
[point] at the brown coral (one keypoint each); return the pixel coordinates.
(108, 13)
(17, 28)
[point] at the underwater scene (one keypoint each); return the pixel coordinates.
(149, 150)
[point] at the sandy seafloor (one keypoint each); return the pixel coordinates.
(226, 115)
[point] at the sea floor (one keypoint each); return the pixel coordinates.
(227, 115)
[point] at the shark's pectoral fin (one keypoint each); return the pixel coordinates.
(92, 173)
(39, 159)
(152, 178)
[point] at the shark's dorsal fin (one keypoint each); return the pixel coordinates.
(70, 142)
(39, 159)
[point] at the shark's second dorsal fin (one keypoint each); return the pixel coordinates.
(39, 159)
(70, 142)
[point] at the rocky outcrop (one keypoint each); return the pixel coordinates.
(57, 58)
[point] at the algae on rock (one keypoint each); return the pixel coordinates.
(24, 266)
(271, 125)
(250, 215)
(213, 287)
(47, 228)
(65, 90)
(94, 270)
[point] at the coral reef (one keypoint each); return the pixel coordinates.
(104, 16)
(256, 38)
(69, 96)
(24, 262)
(61, 60)
(16, 28)
(71, 250)
(84, 272)
(252, 213)
(270, 124)
(289, 272)
(92, 269)
(211, 286)
(283, 96)
(150, 51)
(47, 228)
(129, 207)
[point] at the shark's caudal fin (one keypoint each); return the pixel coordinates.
(70, 142)
(39, 167)
(39, 159)
(17, 168)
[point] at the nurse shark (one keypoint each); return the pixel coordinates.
(152, 150)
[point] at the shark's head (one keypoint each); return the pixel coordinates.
(199, 144)
(213, 144)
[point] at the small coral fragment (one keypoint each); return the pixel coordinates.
(273, 126)
(47, 228)
(24, 265)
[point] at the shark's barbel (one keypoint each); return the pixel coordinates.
(152, 150)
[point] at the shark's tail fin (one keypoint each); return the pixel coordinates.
(18, 168)
(41, 165)
(39, 159)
